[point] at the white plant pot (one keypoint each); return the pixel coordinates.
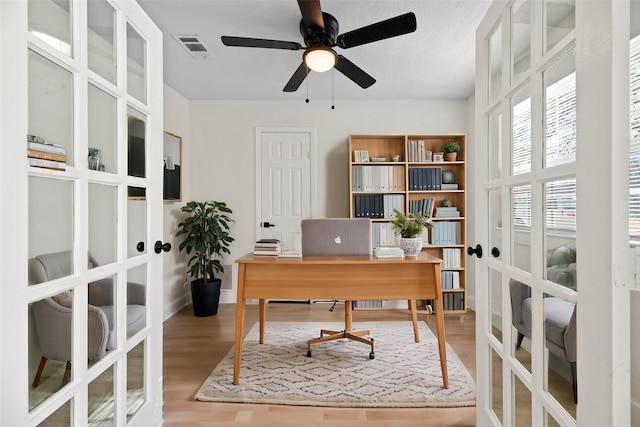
(411, 246)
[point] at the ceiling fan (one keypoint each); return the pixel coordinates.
(320, 33)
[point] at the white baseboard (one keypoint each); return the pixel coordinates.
(174, 306)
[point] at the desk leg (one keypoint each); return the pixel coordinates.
(240, 311)
(414, 319)
(263, 316)
(442, 349)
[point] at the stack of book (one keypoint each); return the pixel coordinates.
(268, 247)
(44, 154)
(447, 212)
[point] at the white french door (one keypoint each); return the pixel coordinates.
(543, 109)
(84, 80)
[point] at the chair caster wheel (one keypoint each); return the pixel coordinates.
(309, 353)
(372, 355)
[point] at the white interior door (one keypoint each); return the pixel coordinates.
(284, 187)
(84, 316)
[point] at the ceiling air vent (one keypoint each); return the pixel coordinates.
(194, 45)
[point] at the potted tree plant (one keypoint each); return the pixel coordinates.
(206, 233)
(451, 150)
(409, 228)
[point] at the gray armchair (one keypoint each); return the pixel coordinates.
(560, 315)
(53, 315)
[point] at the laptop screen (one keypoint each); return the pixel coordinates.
(336, 237)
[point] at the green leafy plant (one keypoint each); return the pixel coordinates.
(451, 147)
(206, 233)
(409, 226)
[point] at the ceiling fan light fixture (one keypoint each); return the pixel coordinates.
(320, 59)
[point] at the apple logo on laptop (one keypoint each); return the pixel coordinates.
(338, 240)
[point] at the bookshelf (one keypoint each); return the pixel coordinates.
(407, 172)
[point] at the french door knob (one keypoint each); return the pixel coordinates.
(267, 225)
(140, 247)
(495, 252)
(477, 250)
(159, 247)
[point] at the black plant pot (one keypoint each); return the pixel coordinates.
(206, 297)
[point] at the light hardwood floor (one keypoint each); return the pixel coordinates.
(193, 346)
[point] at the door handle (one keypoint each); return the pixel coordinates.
(140, 246)
(477, 250)
(267, 225)
(159, 247)
(495, 252)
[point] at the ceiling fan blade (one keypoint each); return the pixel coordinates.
(311, 13)
(393, 27)
(354, 72)
(296, 80)
(264, 43)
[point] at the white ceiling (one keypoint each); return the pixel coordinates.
(435, 62)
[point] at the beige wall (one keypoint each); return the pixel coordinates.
(222, 150)
(176, 121)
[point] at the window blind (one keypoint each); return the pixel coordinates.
(634, 139)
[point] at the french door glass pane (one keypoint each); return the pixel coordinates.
(520, 297)
(51, 105)
(521, 403)
(495, 64)
(61, 417)
(557, 369)
(102, 131)
(560, 111)
(136, 224)
(495, 303)
(136, 298)
(101, 36)
(520, 37)
(521, 131)
(136, 65)
(494, 145)
(50, 20)
(136, 155)
(103, 222)
(560, 20)
(49, 317)
(102, 297)
(521, 227)
(634, 134)
(496, 385)
(135, 379)
(102, 399)
(495, 221)
(560, 231)
(50, 216)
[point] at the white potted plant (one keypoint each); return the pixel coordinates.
(409, 228)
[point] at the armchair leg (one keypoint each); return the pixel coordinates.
(36, 380)
(519, 342)
(574, 380)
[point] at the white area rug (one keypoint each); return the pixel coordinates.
(340, 373)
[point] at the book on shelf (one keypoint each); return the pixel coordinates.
(47, 156)
(290, 254)
(47, 164)
(447, 212)
(46, 147)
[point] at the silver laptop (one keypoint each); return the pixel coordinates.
(336, 237)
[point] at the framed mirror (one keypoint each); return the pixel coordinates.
(172, 183)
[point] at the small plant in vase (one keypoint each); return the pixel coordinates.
(409, 228)
(451, 150)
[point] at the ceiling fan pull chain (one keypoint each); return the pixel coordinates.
(333, 77)
(307, 100)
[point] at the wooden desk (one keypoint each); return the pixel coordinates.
(338, 278)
